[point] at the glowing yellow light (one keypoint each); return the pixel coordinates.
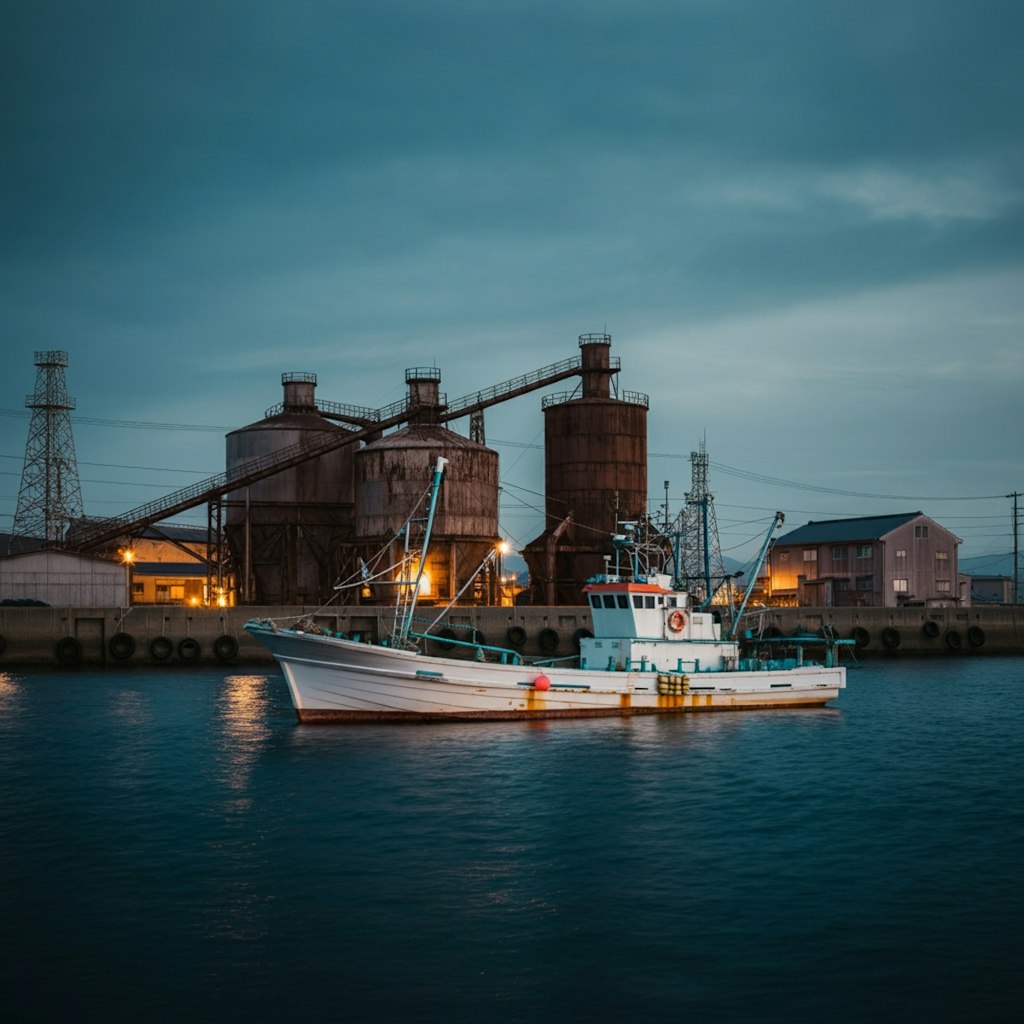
(128, 556)
(424, 588)
(503, 547)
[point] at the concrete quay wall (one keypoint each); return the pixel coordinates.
(160, 635)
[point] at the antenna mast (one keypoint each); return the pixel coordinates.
(701, 554)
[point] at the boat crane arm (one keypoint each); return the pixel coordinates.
(762, 555)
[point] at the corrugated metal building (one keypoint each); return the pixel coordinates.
(63, 579)
(871, 561)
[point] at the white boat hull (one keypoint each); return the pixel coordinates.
(332, 679)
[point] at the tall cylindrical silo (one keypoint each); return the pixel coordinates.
(287, 533)
(394, 473)
(595, 475)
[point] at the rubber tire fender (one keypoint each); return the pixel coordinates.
(68, 650)
(516, 636)
(890, 638)
(121, 646)
(160, 648)
(225, 647)
(581, 634)
(931, 629)
(953, 641)
(861, 635)
(548, 640)
(975, 636)
(189, 649)
(443, 638)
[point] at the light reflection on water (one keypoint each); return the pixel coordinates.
(243, 709)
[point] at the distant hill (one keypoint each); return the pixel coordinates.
(988, 565)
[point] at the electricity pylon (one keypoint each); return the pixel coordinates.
(50, 497)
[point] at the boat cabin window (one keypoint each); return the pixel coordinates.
(623, 600)
(649, 601)
(638, 600)
(609, 600)
(595, 601)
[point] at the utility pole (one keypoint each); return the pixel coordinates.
(50, 498)
(1016, 547)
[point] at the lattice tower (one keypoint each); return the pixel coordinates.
(50, 497)
(701, 568)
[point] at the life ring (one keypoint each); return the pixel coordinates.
(225, 647)
(516, 636)
(861, 636)
(160, 648)
(443, 638)
(548, 640)
(121, 646)
(975, 636)
(931, 629)
(189, 649)
(677, 621)
(68, 650)
(953, 641)
(890, 638)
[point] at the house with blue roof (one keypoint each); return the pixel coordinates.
(870, 561)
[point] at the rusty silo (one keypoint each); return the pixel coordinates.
(392, 475)
(286, 533)
(595, 475)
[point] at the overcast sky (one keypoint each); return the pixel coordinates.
(801, 223)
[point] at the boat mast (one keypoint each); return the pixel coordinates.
(434, 489)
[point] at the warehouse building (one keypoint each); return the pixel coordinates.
(871, 561)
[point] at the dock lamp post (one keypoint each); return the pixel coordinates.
(128, 557)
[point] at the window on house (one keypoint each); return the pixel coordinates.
(842, 584)
(810, 554)
(782, 556)
(840, 554)
(920, 532)
(900, 586)
(863, 551)
(138, 588)
(901, 552)
(163, 592)
(865, 583)
(942, 586)
(941, 556)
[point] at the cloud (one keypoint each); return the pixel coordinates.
(935, 196)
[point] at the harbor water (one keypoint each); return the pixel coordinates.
(176, 847)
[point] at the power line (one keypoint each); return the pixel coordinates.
(93, 421)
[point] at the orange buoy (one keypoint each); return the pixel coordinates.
(542, 683)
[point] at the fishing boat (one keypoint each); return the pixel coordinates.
(654, 651)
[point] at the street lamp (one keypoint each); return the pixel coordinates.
(128, 557)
